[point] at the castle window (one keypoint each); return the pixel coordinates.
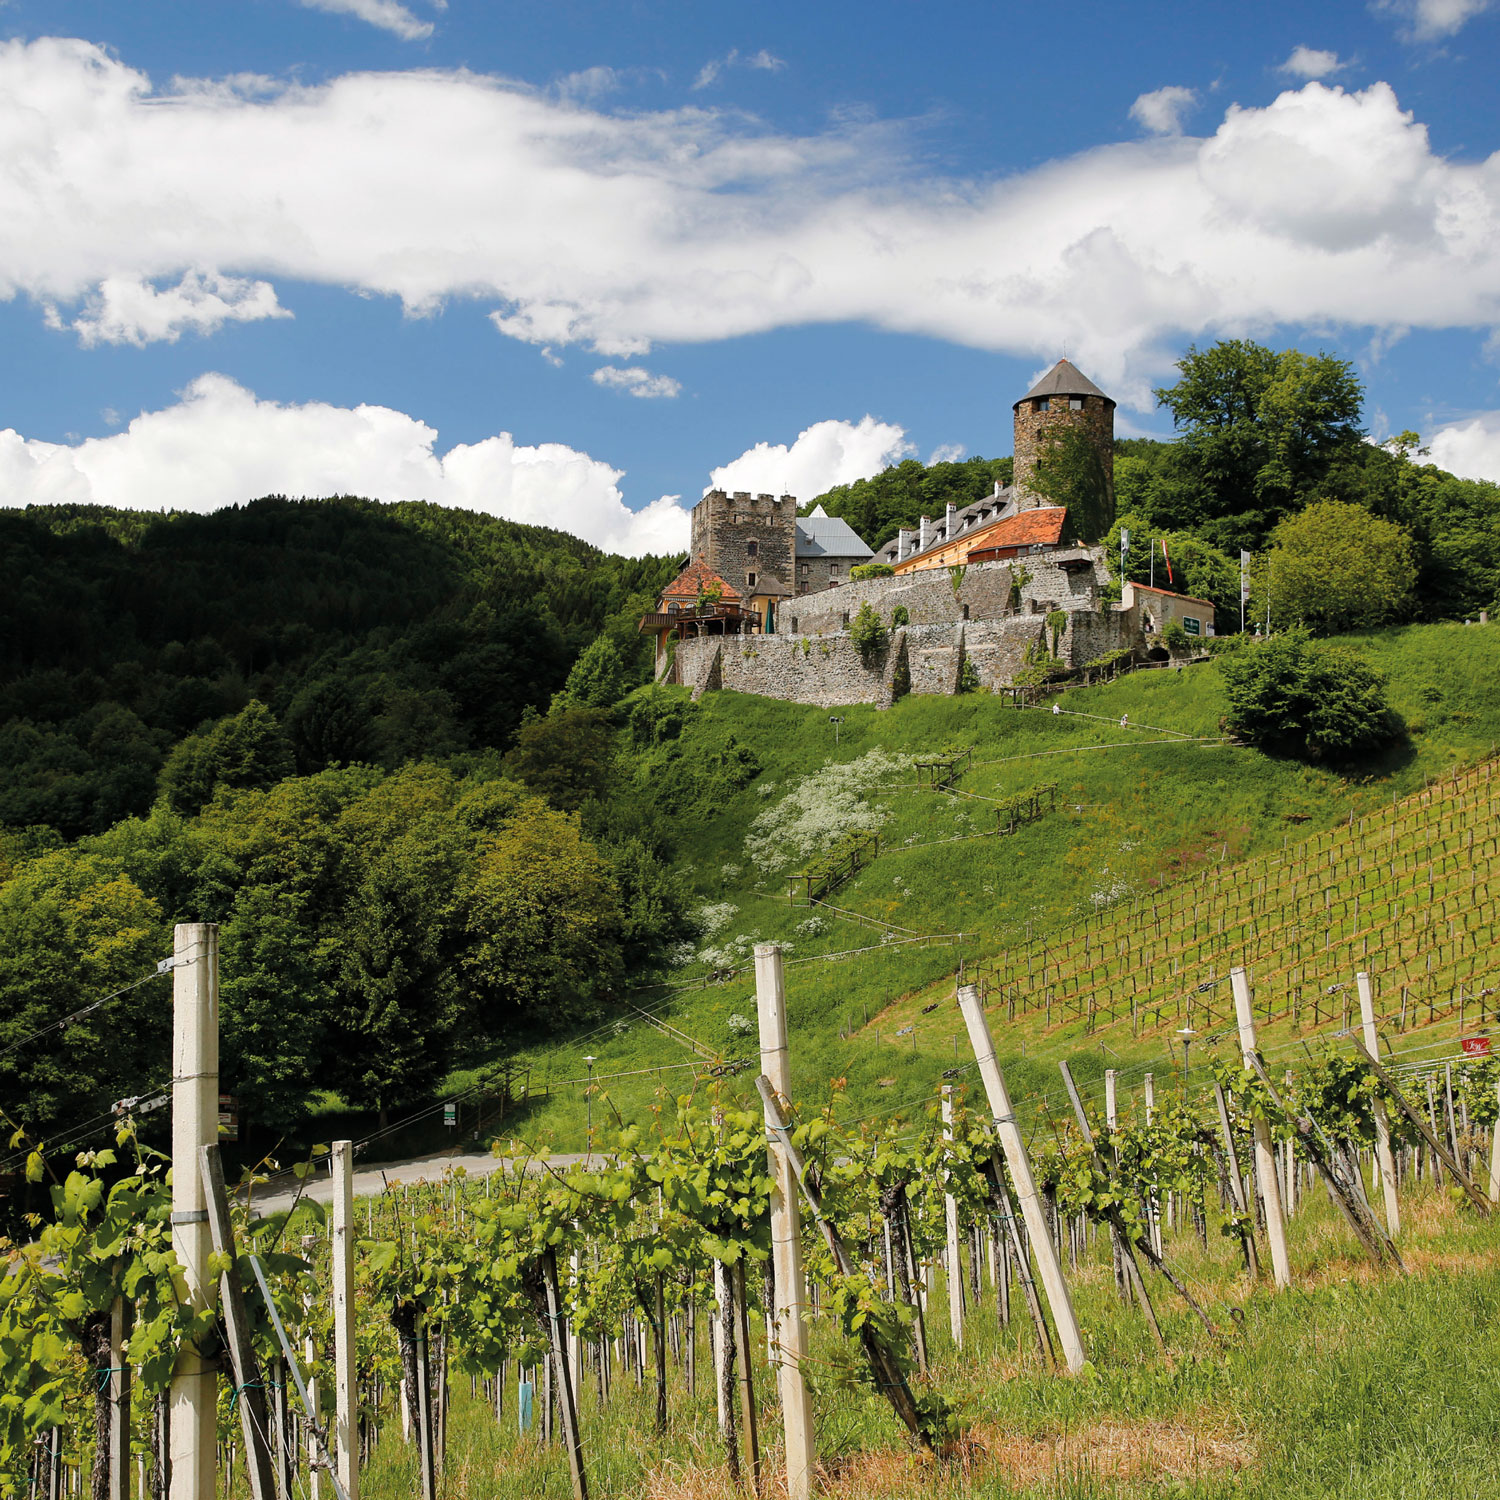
(1075, 403)
(1044, 404)
(749, 580)
(752, 549)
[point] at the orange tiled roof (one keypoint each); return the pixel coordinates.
(1042, 527)
(695, 579)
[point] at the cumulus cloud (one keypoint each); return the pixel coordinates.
(1311, 62)
(388, 15)
(1470, 449)
(734, 58)
(129, 310)
(570, 225)
(1162, 110)
(946, 453)
(825, 454)
(221, 445)
(1431, 20)
(635, 381)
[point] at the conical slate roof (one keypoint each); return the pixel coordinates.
(1064, 379)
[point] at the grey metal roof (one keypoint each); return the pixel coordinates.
(990, 508)
(829, 536)
(1064, 379)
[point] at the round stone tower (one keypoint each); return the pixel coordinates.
(1063, 397)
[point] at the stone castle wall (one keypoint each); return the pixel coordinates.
(828, 671)
(1097, 418)
(724, 526)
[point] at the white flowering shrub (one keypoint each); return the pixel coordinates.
(714, 916)
(811, 928)
(681, 954)
(822, 808)
(738, 1025)
(730, 872)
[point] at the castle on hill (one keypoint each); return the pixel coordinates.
(978, 597)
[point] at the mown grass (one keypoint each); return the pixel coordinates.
(1355, 1384)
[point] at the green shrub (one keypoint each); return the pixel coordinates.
(1293, 696)
(1057, 623)
(867, 633)
(900, 616)
(968, 677)
(860, 571)
(1175, 637)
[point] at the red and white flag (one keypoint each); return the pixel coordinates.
(1167, 558)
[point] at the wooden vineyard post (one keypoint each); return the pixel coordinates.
(750, 1433)
(192, 1425)
(1118, 1230)
(345, 1430)
(1495, 1157)
(120, 1317)
(1439, 1151)
(1237, 1187)
(1382, 1126)
(249, 1388)
(1058, 1298)
(884, 1364)
(562, 1375)
(1265, 1155)
(950, 1223)
(786, 1233)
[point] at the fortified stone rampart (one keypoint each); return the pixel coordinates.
(828, 670)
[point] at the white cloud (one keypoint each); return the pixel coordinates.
(574, 226)
(825, 454)
(386, 14)
(1162, 110)
(947, 453)
(635, 381)
(734, 58)
(1311, 62)
(1470, 449)
(129, 310)
(1430, 20)
(220, 445)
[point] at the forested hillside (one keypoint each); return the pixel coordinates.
(380, 633)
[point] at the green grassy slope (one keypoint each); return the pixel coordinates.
(1138, 811)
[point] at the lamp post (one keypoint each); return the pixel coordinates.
(589, 1095)
(1187, 1034)
(835, 721)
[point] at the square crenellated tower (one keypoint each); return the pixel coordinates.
(748, 540)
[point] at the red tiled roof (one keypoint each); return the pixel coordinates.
(698, 578)
(1040, 527)
(1146, 588)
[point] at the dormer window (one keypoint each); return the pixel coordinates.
(1075, 403)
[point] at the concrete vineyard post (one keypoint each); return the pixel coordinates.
(345, 1430)
(193, 1421)
(786, 1233)
(1265, 1155)
(950, 1224)
(1014, 1146)
(1382, 1125)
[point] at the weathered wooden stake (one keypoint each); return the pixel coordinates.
(950, 1222)
(1011, 1142)
(1265, 1156)
(346, 1405)
(790, 1331)
(1382, 1126)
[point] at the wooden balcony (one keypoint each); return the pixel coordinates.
(704, 619)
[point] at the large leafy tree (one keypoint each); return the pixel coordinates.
(1261, 428)
(1069, 472)
(1335, 567)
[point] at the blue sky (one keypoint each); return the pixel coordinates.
(566, 260)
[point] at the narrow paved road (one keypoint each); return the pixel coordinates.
(373, 1177)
